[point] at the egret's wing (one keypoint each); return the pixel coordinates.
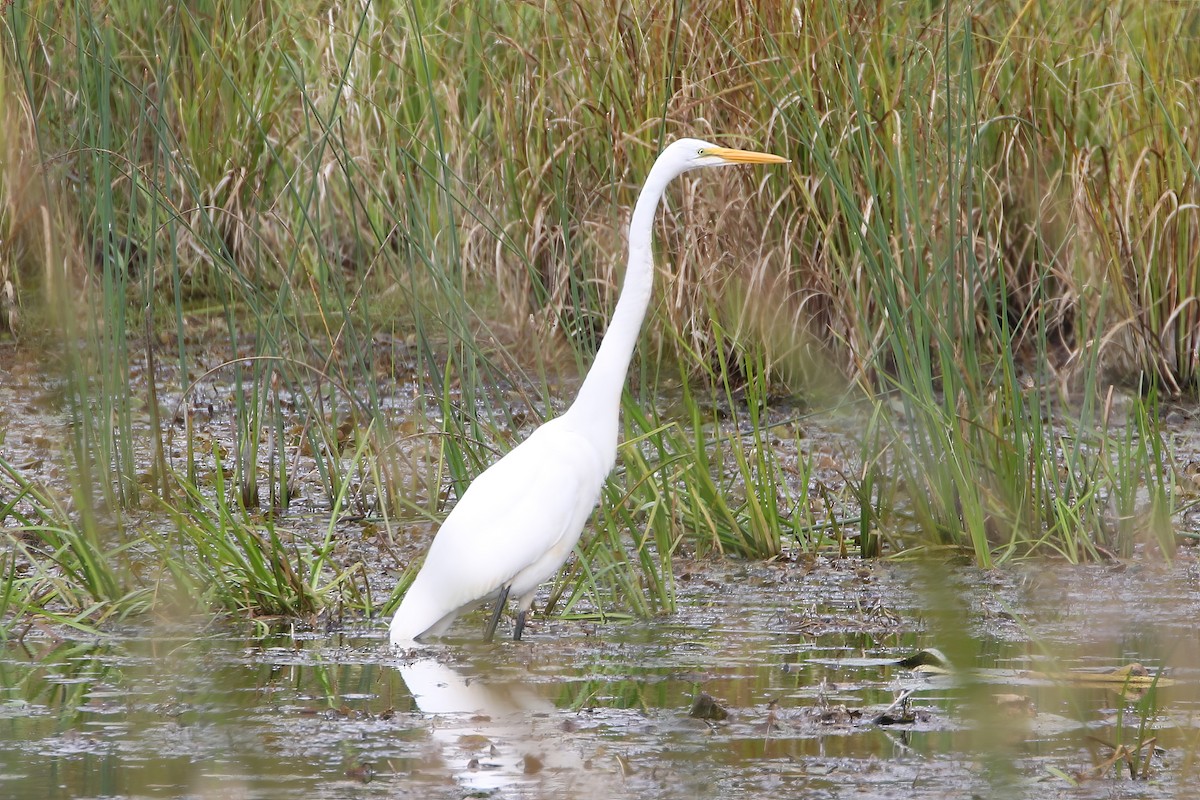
(516, 511)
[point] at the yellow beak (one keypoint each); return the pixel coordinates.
(746, 156)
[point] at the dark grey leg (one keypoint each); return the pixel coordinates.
(520, 626)
(500, 601)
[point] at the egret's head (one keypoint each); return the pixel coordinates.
(695, 153)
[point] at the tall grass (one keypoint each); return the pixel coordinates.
(990, 220)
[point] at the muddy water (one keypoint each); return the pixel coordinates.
(798, 655)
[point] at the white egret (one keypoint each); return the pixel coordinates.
(519, 520)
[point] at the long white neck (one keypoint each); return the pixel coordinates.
(596, 411)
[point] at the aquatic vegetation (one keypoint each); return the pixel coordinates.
(335, 258)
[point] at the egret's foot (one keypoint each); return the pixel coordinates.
(491, 628)
(520, 626)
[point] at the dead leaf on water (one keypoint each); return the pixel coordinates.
(1015, 705)
(1131, 675)
(930, 660)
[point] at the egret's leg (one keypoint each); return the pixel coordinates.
(520, 626)
(500, 601)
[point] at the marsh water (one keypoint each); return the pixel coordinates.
(798, 657)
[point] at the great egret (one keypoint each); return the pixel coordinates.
(517, 522)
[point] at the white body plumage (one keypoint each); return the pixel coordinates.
(504, 535)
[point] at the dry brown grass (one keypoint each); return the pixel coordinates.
(1054, 168)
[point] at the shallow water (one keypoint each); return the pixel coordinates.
(797, 654)
(801, 654)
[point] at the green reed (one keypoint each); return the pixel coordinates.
(983, 229)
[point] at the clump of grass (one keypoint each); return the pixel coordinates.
(78, 571)
(964, 299)
(74, 571)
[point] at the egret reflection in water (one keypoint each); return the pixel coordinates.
(505, 735)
